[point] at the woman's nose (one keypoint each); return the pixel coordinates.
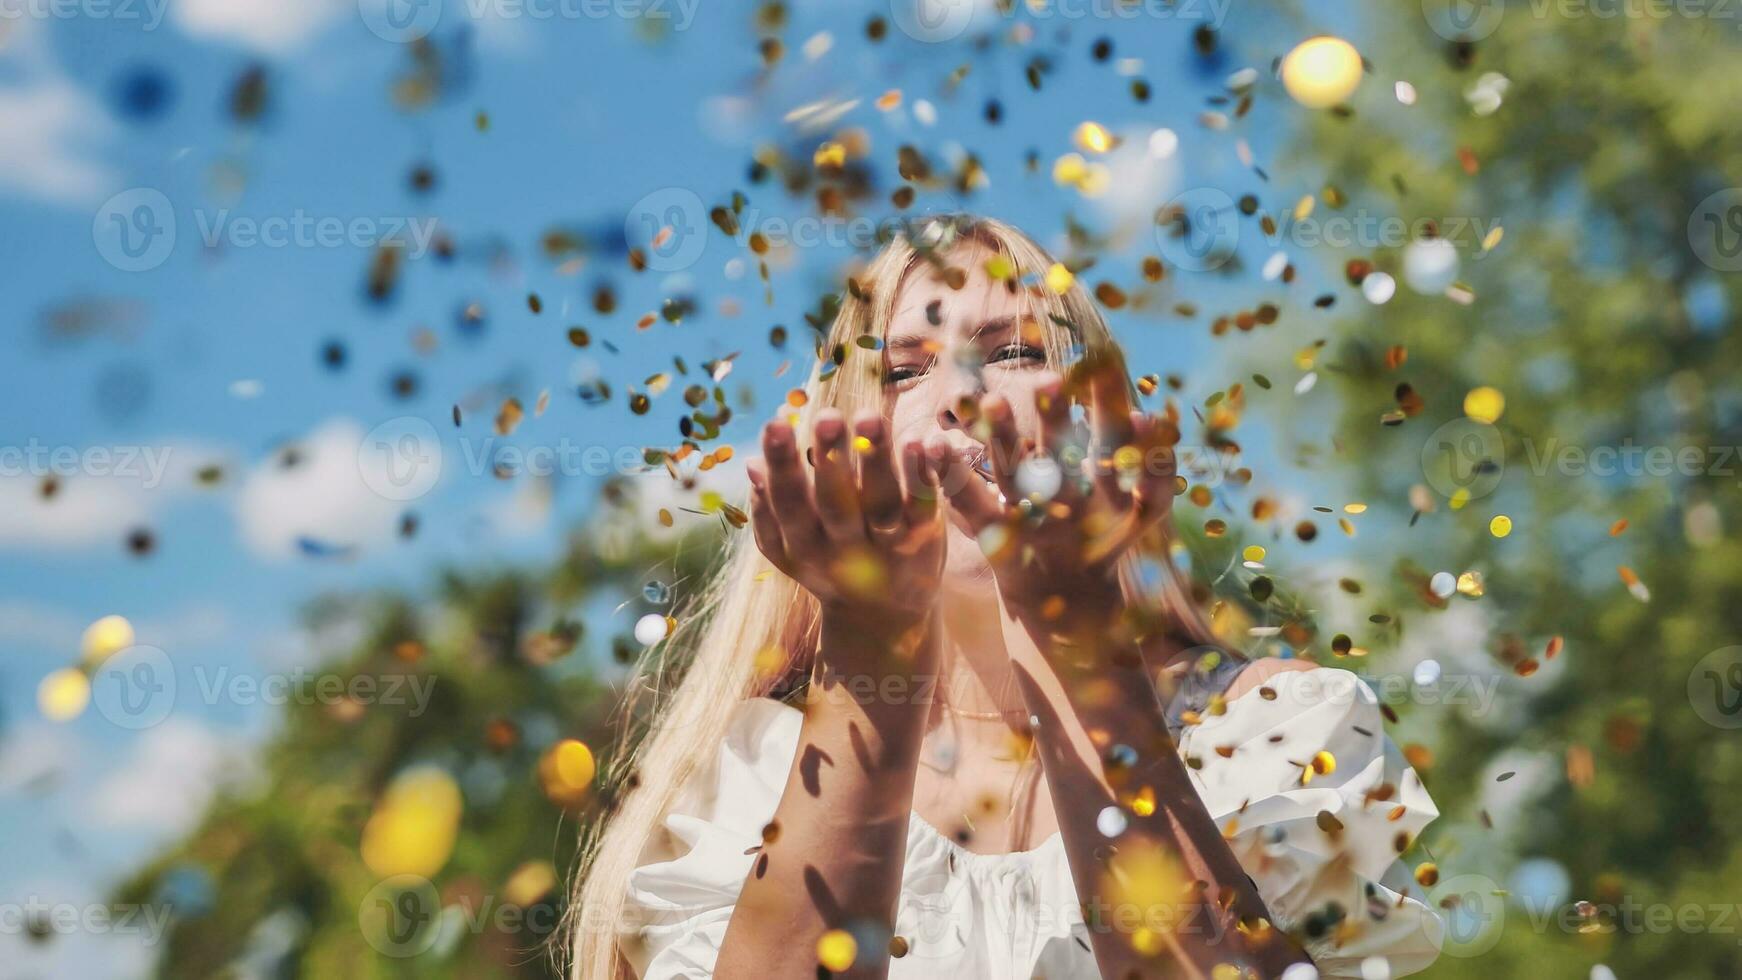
(960, 386)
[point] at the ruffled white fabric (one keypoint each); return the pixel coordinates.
(966, 915)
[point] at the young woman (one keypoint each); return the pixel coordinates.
(950, 710)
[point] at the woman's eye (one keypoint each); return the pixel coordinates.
(897, 374)
(1016, 352)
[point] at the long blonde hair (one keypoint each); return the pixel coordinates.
(753, 630)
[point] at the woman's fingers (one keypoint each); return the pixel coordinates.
(1004, 449)
(837, 493)
(879, 489)
(1054, 408)
(789, 493)
(920, 501)
(1155, 482)
(1114, 431)
(764, 523)
(968, 493)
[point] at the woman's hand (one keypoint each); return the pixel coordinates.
(1056, 555)
(868, 545)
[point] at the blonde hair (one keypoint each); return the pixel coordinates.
(753, 630)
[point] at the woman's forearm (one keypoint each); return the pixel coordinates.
(1103, 740)
(833, 854)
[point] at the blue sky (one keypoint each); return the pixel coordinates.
(213, 355)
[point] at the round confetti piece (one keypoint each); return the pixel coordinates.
(1443, 584)
(63, 694)
(1378, 287)
(1485, 404)
(650, 629)
(1321, 72)
(1500, 526)
(836, 950)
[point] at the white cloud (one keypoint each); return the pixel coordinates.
(85, 511)
(52, 128)
(36, 750)
(323, 496)
(164, 784)
(267, 26)
(113, 946)
(101, 492)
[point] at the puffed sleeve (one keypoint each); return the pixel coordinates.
(1317, 804)
(681, 895)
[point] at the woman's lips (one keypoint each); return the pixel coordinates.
(980, 464)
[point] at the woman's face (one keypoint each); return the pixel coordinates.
(944, 345)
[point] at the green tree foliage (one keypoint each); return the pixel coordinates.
(278, 883)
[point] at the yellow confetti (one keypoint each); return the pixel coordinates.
(1500, 526)
(1321, 72)
(1092, 137)
(1485, 404)
(1490, 240)
(62, 695)
(836, 950)
(1069, 170)
(413, 828)
(105, 638)
(1470, 584)
(830, 154)
(1000, 268)
(566, 772)
(1059, 278)
(1253, 553)
(1303, 209)
(529, 883)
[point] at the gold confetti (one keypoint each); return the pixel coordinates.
(1484, 404)
(836, 950)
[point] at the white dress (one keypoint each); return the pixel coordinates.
(1006, 916)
